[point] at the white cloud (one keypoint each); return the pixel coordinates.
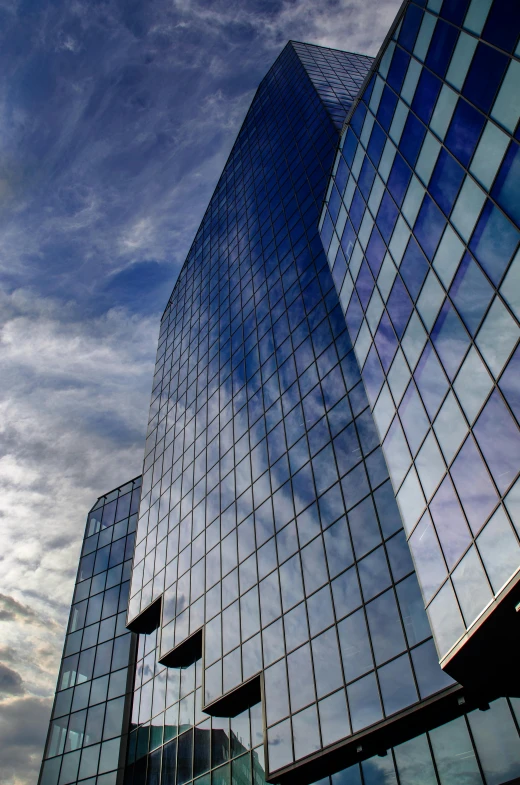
(73, 412)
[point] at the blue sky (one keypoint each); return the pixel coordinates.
(116, 118)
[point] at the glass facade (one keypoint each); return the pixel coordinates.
(480, 748)
(89, 722)
(422, 227)
(337, 76)
(328, 501)
(267, 518)
(173, 741)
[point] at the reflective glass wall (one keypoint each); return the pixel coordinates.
(481, 748)
(89, 723)
(336, 75)
(421, 229)
(181, 743)
(267, 519)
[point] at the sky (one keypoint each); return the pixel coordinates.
(116, 119)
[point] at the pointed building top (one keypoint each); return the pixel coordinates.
(336, 75)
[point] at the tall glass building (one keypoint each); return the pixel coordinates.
(324, 584)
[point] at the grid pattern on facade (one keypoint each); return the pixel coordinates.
(95, 686)
(481, 748)
(182, 743)
(336, 75)
(422, 231)
(267, 514)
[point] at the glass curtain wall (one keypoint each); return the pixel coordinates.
(89, 722)
(267, 518)
(422, 227)
(480, 748)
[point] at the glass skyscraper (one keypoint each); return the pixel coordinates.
(324, 584)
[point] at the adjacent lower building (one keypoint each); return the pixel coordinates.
(325, 577)
(90, 717)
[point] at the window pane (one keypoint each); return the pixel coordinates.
(355, 646)
(414, 762)
(497, 742)
(386, 631)
(397, 685)
(364, 702)
(454, 754)
(306, 732)
(429, 674)
(334, 718)
(301, 682)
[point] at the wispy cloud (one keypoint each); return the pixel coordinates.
(115, 122)
(11, 610)
(11, 682)
(72, 414)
